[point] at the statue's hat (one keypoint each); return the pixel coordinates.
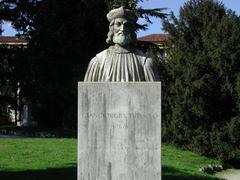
(122, 13)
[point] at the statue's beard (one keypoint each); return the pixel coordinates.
(122, 39)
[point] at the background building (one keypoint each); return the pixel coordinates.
(10, 106)
(156, 42)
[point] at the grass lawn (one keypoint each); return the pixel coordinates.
(184, 165)
(56, 159)
(38, 159)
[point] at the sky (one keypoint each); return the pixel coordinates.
(174, 5)
(156, 27)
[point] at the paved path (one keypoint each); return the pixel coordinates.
(9, 137)
(231, 174)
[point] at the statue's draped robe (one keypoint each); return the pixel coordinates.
(121, 65)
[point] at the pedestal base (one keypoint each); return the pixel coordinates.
(119, 131)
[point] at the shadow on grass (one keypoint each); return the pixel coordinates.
(170, 173)
(70, 173)
(38, 132)
(47, 174)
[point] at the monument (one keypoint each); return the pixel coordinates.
(121, 62)
(119, 113)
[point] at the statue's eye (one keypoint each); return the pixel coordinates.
(118, 24)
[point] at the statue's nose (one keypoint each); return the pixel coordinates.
(122, 27)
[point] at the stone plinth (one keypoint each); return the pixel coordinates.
(119, 131)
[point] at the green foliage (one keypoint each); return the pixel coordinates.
(63, 42)
(21, 13)
(132, 4)
(1, 30)
(150, 49)
(146, 13)
(201, 109)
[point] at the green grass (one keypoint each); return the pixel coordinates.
(178, 164)
(24, 154)
(38, 159)
(43, 159)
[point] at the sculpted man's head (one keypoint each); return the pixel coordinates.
(122, 27)
(122, 62)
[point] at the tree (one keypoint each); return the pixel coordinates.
(13, 62)
(1, 22)
(62, 43)
(21, 13)
(62, 40)
(201, 87)
(1, 30)
(63, 37)
(11, 73)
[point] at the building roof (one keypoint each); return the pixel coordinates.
(154, 38)
(12, 40)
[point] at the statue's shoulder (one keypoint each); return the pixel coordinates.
(102, 55)
(147, 61)
(99, 57)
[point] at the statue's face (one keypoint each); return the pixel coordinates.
(122, 32)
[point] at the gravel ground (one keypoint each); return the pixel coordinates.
(231, 174)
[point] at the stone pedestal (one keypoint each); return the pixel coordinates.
(119, 131)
